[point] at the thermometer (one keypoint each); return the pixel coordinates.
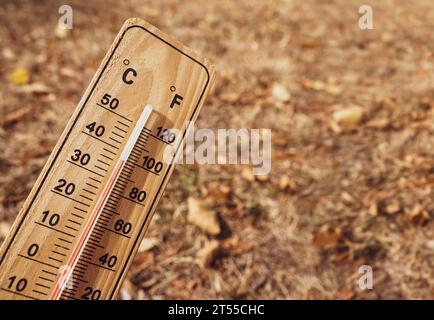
(85, 217)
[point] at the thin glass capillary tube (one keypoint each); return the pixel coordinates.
(91, 222)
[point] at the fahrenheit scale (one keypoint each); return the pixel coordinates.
(84, 219)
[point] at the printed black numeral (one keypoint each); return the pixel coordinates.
(17, 285)
(82, 158)
(166, 134)
(99, 130)
(138, 195)
(109, 260)
(65, 187)
(122, 226)
(33, 250)
(151, 164)
(107, 100)
(51, 219)
(90, 294)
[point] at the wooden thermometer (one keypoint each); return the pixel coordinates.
(84, 219)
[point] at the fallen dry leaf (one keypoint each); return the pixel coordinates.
(248, 174)
(286, 183)
(8, 54)
(378, 123)
(346, 293)
(69, 73)
(262, 177)
(393, 207)
(349, 116)
(38, 88)
(347, 198)
(318, 85)
(203, 218)
(207, 255)
(216, 193)
(430, 244)
(314, 85)
(280, 93)
(326, 238)
(237, 245)
(418, 215)
(61, 33)
(373, 209)
(16, 115)
(142, 261)
(147, 244)
(4, 229)
(230, 97)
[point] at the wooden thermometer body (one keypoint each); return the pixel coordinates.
(143, 67)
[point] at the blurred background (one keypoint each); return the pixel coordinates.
(351, 113)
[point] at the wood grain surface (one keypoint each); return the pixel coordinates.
(143, 66)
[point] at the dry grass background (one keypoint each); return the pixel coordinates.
(336, 198)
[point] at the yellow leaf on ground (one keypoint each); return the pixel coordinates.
(19, 76)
